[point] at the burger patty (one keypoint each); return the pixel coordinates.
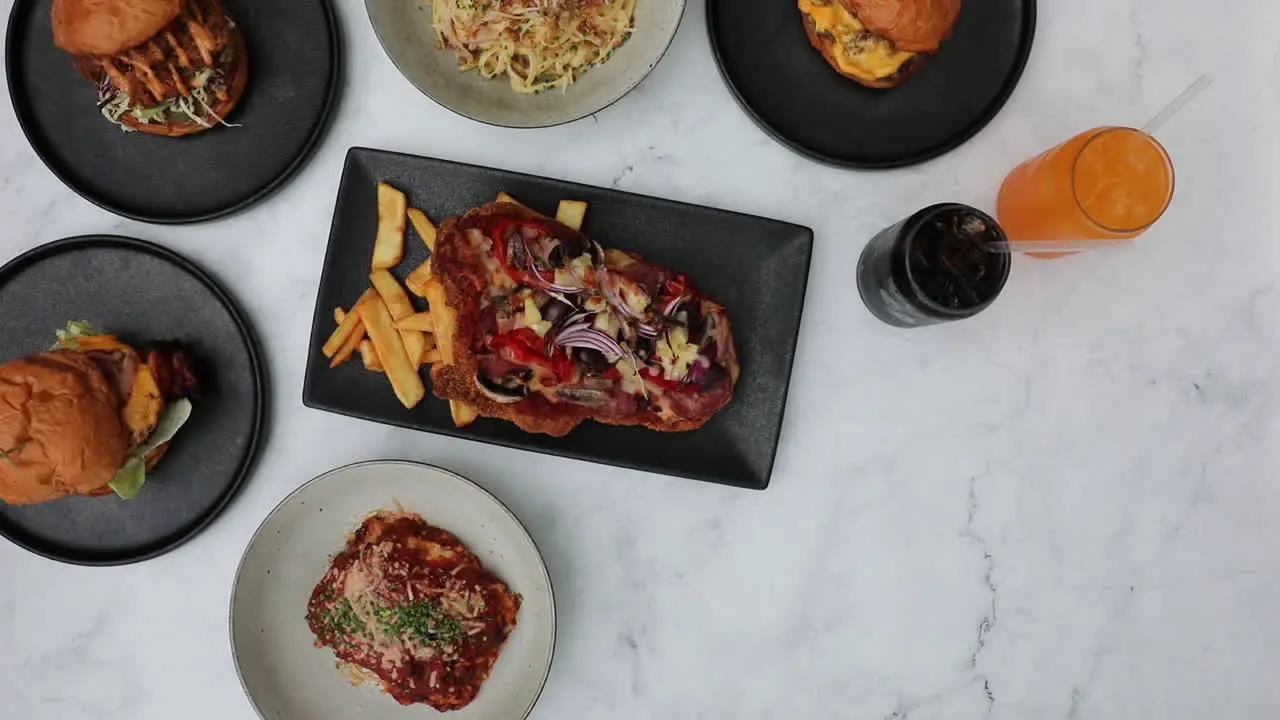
(165, 67)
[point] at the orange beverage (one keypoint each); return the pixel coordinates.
(1105, 183)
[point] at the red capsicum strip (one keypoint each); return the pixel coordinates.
(498, 232)
(525, 347)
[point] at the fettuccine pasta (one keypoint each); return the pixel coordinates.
(536, 44)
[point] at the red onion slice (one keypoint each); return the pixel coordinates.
(614, 299)
(576, 320)
(588, 337)
(672, 307)
(549, 285)
(698, 369)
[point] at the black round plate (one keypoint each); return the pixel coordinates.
(294, 73)
(143, 293)
(794, 95)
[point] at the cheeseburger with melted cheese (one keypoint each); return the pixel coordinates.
(89, 417)
(164, 67)
(878, 43)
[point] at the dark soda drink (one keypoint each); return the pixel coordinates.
(933, 267)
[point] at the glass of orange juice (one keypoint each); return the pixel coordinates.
(1105, 183)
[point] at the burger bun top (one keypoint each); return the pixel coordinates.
(912, 25)
(60, 428)
(109, 27)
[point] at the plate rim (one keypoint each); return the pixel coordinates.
(684, 6)
(752, 481)
(997, 105)
(304, 155)
(235, 583)
(260, 386)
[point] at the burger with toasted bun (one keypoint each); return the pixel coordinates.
(89, 417)
(165, 67)
(878, 43)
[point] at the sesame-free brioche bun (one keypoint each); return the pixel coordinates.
(109, 27)
(912, 25)
(60, 428)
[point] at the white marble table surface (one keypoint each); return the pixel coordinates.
(1068, 507)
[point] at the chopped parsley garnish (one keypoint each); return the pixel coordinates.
(424, 621)
(342, 619)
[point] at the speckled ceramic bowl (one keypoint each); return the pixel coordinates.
(404, 29)
(287, 678)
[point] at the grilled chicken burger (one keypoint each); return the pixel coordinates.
(878, 43)
(89, 417)
(165, 67)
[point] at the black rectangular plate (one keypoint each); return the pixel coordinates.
(757, 268)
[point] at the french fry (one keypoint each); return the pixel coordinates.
(425, 229)
(345, 328)
(402, 373)
(443, 317)
(339, 315)
(504, 197)
(415, 344)
(417, 280)
(463, 414)
(572, 213)
(399, 305)
(350, 346)
(392, 293)
(417, 321)
(388, 246)
(369, 356)
(429, 351)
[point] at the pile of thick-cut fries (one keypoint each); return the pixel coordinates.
(383, 326)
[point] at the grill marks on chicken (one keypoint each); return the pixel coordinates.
(166, 66)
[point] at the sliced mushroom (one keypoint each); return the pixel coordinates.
(590, 397)
(506, 390)
(592, 362)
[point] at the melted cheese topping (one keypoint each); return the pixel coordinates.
(860, 55)
(631, 382)
(533, 317)
(499, 282)
(676, 354)
(606, 323)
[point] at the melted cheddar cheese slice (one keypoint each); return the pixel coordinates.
(857, 52)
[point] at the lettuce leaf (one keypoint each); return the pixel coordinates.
(156, 112)
(74, 330)
(129, 481)
(175, 415)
